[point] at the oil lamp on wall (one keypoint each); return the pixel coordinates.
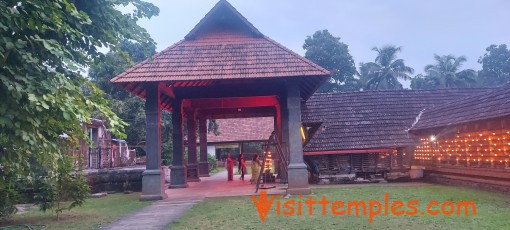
(490, 149)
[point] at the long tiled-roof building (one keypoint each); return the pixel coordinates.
(467, 142)
(353, 121)
(366, 133)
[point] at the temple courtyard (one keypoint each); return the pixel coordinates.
(215, 203)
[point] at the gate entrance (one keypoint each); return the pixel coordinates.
(225, 67)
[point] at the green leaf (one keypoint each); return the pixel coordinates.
(31, 97)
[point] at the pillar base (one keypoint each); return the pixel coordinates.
(178, 177)
(192, 173)
(203, 169)
(153, 185)
(298, 179)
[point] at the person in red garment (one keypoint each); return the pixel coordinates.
(230, 167)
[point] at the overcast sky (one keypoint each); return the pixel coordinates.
(422, 28)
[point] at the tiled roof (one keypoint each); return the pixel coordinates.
(243, 129)
(223, 45)
(492, 104)
(222, 55)
(371, 119)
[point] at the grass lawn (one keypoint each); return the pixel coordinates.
(216, 170)
(94, 213)
(237, 172)
(493, 211)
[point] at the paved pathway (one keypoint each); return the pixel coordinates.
(157, 216)
(161, 214)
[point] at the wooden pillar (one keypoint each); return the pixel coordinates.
(400, 158)
(277, 157)
(297, 170)
(178, 173)
(153, 178)
(284, 117)
(192, 167)
(203, 166)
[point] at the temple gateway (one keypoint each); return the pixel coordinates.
(226, 68)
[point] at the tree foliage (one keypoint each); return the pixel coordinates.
(385, 71)
(446, 73)
(330, 53)
(424, 82)
(130, 108)
(44, 45)
(495, 66)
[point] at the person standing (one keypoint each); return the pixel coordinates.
(255, 169)
(240, 166)
(230, 167)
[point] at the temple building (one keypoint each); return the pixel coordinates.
(363, 134)
(225, 68)
(467, 141)
(239, 135)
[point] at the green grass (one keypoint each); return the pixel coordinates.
(216, 170)
(493, 211)
(248, 170)
(94, 213)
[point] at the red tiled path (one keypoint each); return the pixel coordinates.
(218, 186)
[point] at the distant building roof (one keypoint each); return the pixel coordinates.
(242, 129)
(492, 104)
(371, 119)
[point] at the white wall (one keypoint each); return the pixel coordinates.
(211, 150)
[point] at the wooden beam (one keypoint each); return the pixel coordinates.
(164, 89)
(234, 102)
(262, 88)
(311, 153)
(235, 113)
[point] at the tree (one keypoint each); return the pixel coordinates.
(43, 47)
(424, 82)
(495, 66)
(127, 106)
(447, 72)
(385, 71)
(327, 51)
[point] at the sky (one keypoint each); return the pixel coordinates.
(421, 28)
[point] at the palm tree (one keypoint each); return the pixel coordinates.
(385, 72)
(446, 71)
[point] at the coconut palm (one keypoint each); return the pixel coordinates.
(446, 71)
(385, 72)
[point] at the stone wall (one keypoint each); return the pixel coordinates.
(118, 180)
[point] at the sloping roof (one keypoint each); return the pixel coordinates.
(242, 129)
(228, 12)
(224, 45)
(371, 119)
(222, 55)
(492, 104)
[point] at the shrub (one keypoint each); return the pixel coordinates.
(61, 185)
(9, 195)
(212, 162)
(8, 200)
